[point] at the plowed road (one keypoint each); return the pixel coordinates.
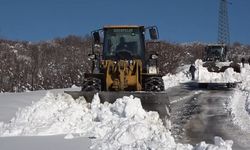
(199, 115)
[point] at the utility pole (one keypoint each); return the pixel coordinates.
(223, 24)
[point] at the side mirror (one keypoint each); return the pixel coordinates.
(97, 39)
(153, 33)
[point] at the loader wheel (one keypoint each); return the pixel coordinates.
(154, 84)
(91, 84)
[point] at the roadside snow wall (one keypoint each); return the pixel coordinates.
(121, 125)
(204, 76)
(239, 103)
(181, 76)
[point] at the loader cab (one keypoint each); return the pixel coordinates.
(123, 42)
(217, 52)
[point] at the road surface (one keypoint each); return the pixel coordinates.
(199, 115)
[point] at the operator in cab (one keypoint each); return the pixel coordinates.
(122, 44)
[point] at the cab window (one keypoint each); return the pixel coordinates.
(122, 40)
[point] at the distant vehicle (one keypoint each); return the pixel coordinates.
(215, 58)
(216, 52)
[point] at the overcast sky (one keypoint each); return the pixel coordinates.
(178, 20)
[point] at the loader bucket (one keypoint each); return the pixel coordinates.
(151, 101)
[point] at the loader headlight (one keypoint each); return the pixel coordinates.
(154, 56)
(152, 70)
(131, 62)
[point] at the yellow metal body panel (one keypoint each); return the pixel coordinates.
(123, 75)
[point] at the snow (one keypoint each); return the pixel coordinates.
(181, 76)
(239, 103)
(237, 106)
(56, 142)
(219, 144)
(121, 125)
(245, 73)
(204, 76)
(9, 105)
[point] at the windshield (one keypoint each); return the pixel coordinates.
(124, 41)
(215, 53)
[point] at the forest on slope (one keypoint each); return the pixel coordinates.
(62, 62)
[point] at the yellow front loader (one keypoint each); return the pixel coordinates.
(124, 67)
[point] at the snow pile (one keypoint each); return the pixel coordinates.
(245, 86)
(239, 103)
(182, 76)
(204, 76)
(238, 106)
(219, 144)
(121, 125)
(245, 74)
(51, 115)
(248, 102)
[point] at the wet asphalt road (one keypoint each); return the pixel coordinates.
(199, 115)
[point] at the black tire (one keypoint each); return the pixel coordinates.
(154, 84)
(91, 84)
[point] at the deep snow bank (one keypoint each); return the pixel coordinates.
(204, 76)
(121, 125)
(181, 76)
(239, 103)
(245, 75)
(245, 85)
